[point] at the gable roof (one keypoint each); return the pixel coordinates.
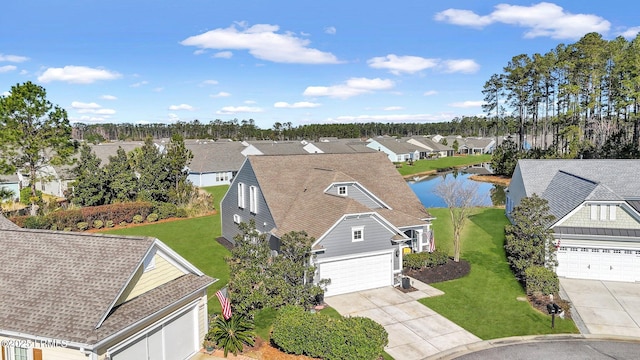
(7, 224)
(618, 175)
(565, 192)
(279, 147)
(396, 145)
(65, 283)
(216, 156)
(294, 189)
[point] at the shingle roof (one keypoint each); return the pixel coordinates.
(279, 147)
(397, 146)
(216, 156)
(565, 192)
(61, 284)
(293, 187)
(343, 146)
(618, 175)
(6, 223)
(436, 146)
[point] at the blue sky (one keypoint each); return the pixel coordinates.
(142, 61)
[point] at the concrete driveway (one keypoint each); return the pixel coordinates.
(604, 307)
(415, 331)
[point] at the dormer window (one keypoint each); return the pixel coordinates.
(357, 233)
(342, 190)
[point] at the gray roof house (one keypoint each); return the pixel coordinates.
(397, 150)
(85, 296)
(596, 204)
(431, 148)
(363, 217)
(214, 163)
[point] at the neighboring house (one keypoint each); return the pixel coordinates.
(81, 296)
(214, 163)
(477, 146)
(268, 147)
(337, 146)
(361, 212)
(430, 148)
(51, 180)
(597, 208)
(11, 182)
(397, 150)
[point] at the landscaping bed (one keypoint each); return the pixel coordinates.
(450, 271)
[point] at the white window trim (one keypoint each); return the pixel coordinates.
(340, 188)
(603, 212)
(594, 211)
(253, 199)
(237, 219)
(241, 195)
(354, 231)
(612, 212)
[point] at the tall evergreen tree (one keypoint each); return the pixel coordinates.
(89, 186)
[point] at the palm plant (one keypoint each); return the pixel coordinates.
(232, 334)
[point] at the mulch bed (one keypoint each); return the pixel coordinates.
(224, 242)
(450, 271)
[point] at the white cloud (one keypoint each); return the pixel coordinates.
(181, 107)
(541, 20)
(158, 89)
(352, 87)
(13, 58)
(91, 108)
(138, 84)
(467, 104)
(6, 93)
(108, 97)
(210, 82)
(263, 42)
(220, 94)
(392, 118)
(430, 93)
(223, 55)
(77, 75)
(630, 33)
(466, 66)
(296, 105)
(89, 119)
(331, 30)
(393, 108)
(238, 109)
(402, 64)
(7, 68)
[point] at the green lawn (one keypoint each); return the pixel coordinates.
(484, 302)
(421, 166)
(195, 240)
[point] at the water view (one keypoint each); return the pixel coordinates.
(491, 194)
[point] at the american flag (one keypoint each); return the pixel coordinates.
(226, 305)
(432, 242)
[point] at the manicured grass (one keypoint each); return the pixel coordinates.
(421, 166)
(484, 302)
(263, 321)
(195, 240)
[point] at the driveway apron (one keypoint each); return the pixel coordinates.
(605, 307)
(415, 331)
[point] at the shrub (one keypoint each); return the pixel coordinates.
(83, 225)
(317, 335)
(181, 213)
(27, 199)
(65, 218)
(36, 222)
(540, 279)
(108, 223)
(98, 224)
(137, 219)
(116, 212)
(417, 261)
(153, 217)
(123, 223)
(166, 210)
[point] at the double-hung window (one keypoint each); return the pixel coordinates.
(253, 199)
(241, 195)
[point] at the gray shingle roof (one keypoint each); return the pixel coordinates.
(343, 147)
(397, 146)
(565, 192)
(618, 175)
(61, 284)
(216, 156)
(293, 187)
(6, 223)
(279, 147)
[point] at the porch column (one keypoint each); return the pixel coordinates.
(419, 236)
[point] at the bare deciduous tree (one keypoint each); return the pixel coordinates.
(460, 197)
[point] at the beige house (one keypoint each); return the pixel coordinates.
(85, 296)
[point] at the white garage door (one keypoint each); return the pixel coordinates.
(599, 264)
(175, 340)
(355, 274)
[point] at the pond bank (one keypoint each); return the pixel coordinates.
(494, 179)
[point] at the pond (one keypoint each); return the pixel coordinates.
(491, 194)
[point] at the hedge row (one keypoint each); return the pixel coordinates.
(299, 332)
(418, 261)
(101, 216)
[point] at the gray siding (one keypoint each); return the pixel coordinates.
(516, 190)
(356, 193)
(229, 205)
(338, 241)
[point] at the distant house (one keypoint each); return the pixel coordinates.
(596, 204)
(430, 148)
(214, 163)
(337, 146)
(12, 183)
(82, 296)
(361, 212)
(477, 146)
(269, 147)
(397, 150)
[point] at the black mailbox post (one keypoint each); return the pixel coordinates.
(553, 309)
